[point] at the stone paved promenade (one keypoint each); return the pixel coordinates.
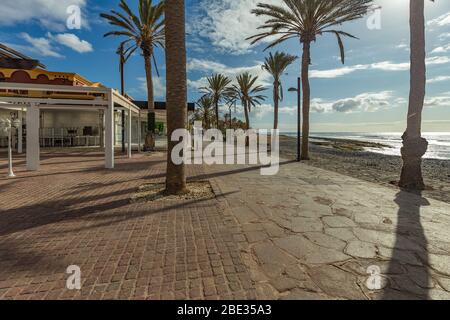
(308, 233)
(305, 233)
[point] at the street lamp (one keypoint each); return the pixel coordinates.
(299, 117)
(6, 126)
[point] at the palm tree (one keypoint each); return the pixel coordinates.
(276, 65)
(176, 89)
(145, 32)
(216, 89)
(205, 112)
(414, 146)
(249, 93)
(306, 20)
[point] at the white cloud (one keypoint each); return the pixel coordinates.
(159, 86)
(440, 21)
(209, 67)
(72, 41)
(444, 36)
(227, 23)
(441, 49)
(47, 46)
(372, 102)
(438, 101)
(41, 46)
(260, 111)
(438, 79)
(403, 46)
(51, 14)
(437, 60)
(339, 72)
(390, 66)
(381, 66)
(365, 102)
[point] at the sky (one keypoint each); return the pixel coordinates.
(367, 94)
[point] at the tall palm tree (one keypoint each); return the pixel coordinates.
(144, 31)
(414, 146)
(205, 112)
(306, 20)
(217, 87)
(276, 65)
(176, 89)
(249, 93)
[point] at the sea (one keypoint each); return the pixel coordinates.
(439, 142)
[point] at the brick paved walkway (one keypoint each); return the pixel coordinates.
(74, 212)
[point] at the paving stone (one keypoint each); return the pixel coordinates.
(298, 225)
(344, 234)
(245, 214)
(340, 211)
(363, 217)
(444, 283)
(440, 263)
(404, 283)
(361, 249)
(336, 282)
(325, 240)
(256, 236)
(283, 284)
(308, 252)
(338, 222)
(273, 230)
(272, 259)
(436, 294)
(405, 257)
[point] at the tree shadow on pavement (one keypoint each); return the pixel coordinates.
(411, 241)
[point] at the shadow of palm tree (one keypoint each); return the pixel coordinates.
(410, 244)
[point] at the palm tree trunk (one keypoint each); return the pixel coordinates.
(247, 118)
(275, 103)
(306, 59)
(216, 105)
(414, 146)
(150, 137)
(176, 89)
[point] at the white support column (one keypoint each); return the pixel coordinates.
(109, 132)
(33, 148)
(102, 128)
(130, 117)
(139, 131)
(19, 133)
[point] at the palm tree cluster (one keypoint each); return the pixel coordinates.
(245, 89)
(223, 90)
(304, 20)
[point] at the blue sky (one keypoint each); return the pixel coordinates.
(368, 93)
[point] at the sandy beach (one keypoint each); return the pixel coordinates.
(348, 157)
